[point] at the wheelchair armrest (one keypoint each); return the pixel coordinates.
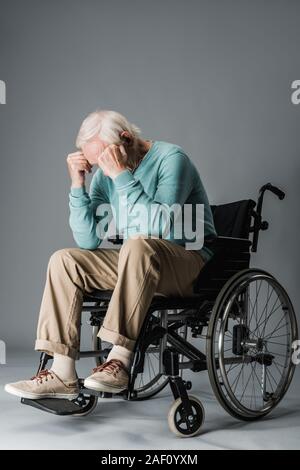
(116, 240)
(228, 243)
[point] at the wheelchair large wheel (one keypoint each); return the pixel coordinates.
(250, 343)
(150, 382)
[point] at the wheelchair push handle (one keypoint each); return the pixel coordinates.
(269, 187)
(260, 224)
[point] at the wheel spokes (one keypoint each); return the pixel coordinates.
(253, 380)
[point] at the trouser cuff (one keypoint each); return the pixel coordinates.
(50, 347)
(115, 338)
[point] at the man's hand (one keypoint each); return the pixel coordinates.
(112, 161)
(78, 166)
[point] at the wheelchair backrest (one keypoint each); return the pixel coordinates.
(233, 219)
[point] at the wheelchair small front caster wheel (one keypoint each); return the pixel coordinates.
(182, 424)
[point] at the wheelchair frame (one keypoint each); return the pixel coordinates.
(229, 263)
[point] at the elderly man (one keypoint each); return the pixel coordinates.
(131, 172)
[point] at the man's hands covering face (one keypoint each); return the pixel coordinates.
(111, 161)
(78, 166)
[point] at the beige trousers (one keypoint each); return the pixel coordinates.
(141, 268)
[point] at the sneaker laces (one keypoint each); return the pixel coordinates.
(112, 367)
(43, 374)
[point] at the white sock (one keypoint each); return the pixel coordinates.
(122, 354)
(64, 367)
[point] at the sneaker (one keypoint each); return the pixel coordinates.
(46, 384)
(111, 377)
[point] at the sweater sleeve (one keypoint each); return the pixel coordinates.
(83, 218)
(175, 179)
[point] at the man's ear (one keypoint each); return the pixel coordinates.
(125, 138)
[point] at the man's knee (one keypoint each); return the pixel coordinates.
(59, 258)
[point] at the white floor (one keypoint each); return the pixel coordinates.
(117, 424)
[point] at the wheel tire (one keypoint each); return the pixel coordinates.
(222, 301)
(175, 412)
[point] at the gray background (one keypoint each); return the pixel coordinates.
(211, 76)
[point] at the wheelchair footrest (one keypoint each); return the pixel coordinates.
(57, 406)
(89, 391)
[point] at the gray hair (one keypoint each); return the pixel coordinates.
(108, 125)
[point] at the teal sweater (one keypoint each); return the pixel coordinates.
(166, 175)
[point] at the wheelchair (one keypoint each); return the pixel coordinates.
(239, 325)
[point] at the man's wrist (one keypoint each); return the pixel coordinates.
(77, 191)
(118, 173)
(77, 185)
